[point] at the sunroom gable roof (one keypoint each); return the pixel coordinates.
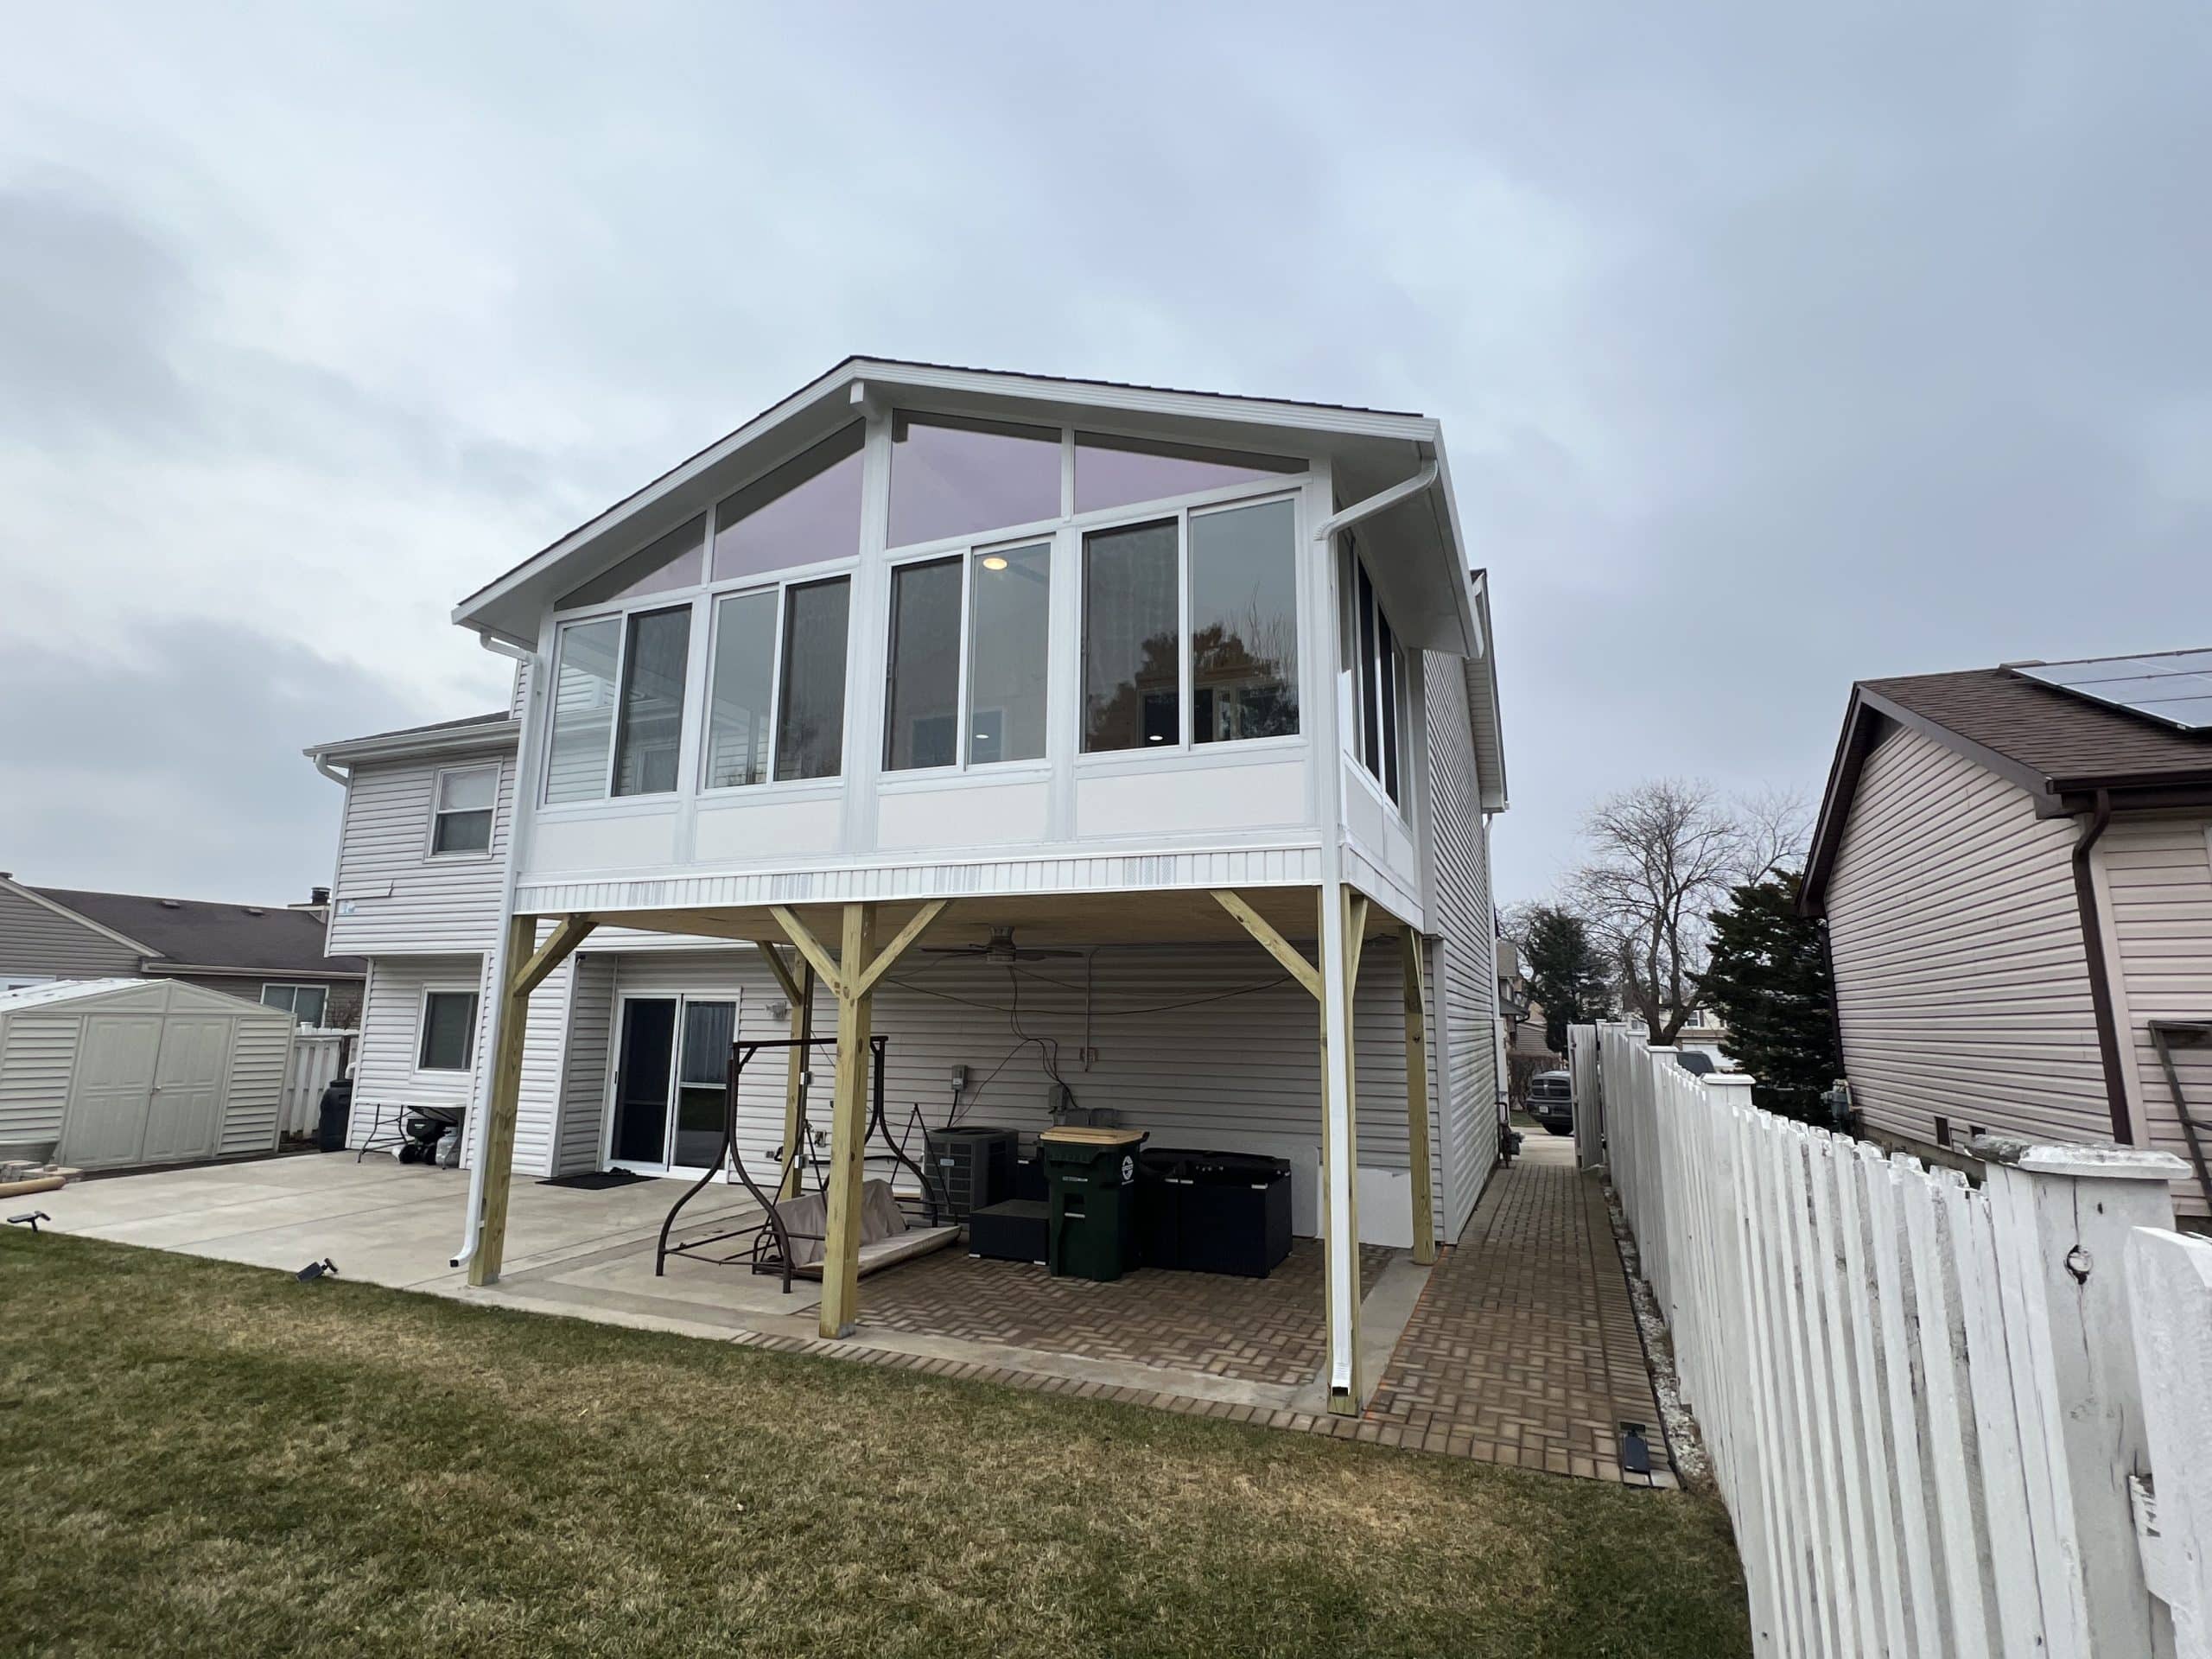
(1370, 449)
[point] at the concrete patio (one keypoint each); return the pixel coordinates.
(1518, 1347)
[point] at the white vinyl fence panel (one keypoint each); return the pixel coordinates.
(1945, 1419)
(319, 1056)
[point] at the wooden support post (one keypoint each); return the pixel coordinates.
(1424, 1192)
(847, 1128)
(526, 969)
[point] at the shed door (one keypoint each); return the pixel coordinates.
(114, 1086)
(189, 1088)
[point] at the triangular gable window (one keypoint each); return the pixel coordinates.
(1113, 471)
(661, 566)
(806, 511)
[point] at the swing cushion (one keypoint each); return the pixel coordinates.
(885, 1237)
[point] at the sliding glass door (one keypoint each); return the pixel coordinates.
(672, 1061)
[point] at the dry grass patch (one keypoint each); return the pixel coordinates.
(209, 1459)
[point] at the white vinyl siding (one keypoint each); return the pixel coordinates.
(385, 1070)
(37, 1053)
(260, 1053)
(576, 1131)
(392, 897)
(1463, 983)
(1961, 979)
(34, 941)
(2158, 887)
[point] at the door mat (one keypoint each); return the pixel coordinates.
(597, 1180)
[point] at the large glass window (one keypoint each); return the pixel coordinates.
(954, 477)
(1009, 622)
(810, 719)
(805, 512)
(1243, 623)
(741, 689)
(1381, 667)
(922, 724)
(1132, 676)
(460, 816)
(1122, 471)
(654, 663)
(662, 567)
(448, 1030)
(583, 710)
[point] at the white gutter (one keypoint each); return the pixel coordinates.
(479, 1093)
(1381, 501)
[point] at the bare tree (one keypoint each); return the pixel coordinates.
(1777, 826)
(1664, 855)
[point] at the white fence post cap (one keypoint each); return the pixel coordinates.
(2091, 1163)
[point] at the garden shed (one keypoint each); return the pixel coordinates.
(107, 1073)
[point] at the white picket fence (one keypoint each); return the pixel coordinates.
(319, 1054)
(1945, 1419)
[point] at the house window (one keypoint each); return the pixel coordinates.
(448, 1031)
(305, 1003)
(1208, 599)
(460, 812)
(1382, 675)
(618, 697)
(776, 692)
(1112, 472)
(954, 477)
(1003, 592)
(805, 512)
(1243, 623)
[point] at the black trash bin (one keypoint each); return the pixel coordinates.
(1236, 1214)
(1093, 1176)
(336, 1112)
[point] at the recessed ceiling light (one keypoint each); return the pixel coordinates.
(1157, 737)
(994, 561)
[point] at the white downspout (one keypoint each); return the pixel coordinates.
(525, 798)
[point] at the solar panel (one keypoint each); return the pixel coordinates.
(2171, 687)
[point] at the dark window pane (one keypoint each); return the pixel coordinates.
(641, 1079)
(1118, 472)
(1370, 722)
(1131, 698)
(950, 477)
(740, 689)
(701, 1104)
(810, 730)
(448, 1028)
(1390, 663)
(806, 510)
(1244, 623)
(654, 670)
(922, 718)
(463, 832)
(672, 562)
(583, 711)
(1009, 624)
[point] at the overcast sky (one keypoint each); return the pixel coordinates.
(1775, 347)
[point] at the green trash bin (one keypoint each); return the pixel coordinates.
(1092, 1174)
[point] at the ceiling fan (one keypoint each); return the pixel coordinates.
(1000, 947)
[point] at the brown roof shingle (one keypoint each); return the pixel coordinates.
(2067, 741)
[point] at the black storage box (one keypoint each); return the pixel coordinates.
(1163, 1177)
(1029, 1183)
(1013, 1231)
(1236, 1214)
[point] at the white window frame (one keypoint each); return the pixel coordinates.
(623, 996)
(968, 556)
(1214, 501)
(1370, 693)
(437, 794)
(780, 586)
(292, 1008)
(453, 988)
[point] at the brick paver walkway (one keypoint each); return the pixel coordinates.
(1253, 1330)
(1524, 1348)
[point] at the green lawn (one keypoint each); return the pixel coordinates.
(198, 1458)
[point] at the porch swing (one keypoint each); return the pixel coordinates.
(791, 1234)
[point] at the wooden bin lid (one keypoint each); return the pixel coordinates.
(1093, 1135)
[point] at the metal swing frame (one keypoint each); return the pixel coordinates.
(771, 1236)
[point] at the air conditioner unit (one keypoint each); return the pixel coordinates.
(972, 1168)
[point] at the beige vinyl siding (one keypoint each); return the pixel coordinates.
(38, 1051)
(391, 897)
(260, 1055)
(33, 940)
(1961, 979)
(2158, 887)
(1462, 984)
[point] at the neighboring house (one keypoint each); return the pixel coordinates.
(1071, 736)
(272, 955)
(2016, 868)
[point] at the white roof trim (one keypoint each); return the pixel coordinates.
(68, 914)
